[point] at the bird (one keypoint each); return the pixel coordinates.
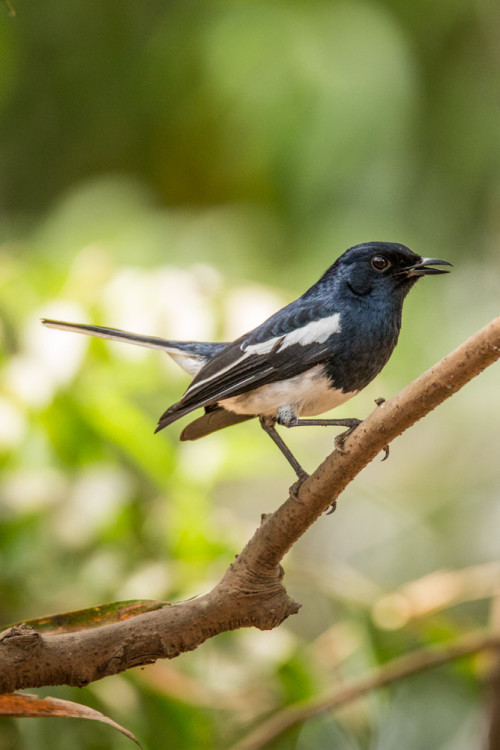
(311, 356)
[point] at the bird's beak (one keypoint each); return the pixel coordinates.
(425, 267)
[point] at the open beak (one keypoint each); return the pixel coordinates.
(425, 267)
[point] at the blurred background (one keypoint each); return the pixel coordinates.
(183, 169)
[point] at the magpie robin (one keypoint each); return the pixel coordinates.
(309, 357)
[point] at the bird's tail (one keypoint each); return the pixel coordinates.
(215, 418)
(115, 334)
(190, 355)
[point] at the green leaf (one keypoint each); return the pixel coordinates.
(93, 617)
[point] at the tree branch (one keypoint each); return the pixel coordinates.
(251, 592)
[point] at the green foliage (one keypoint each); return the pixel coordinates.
(183, 169)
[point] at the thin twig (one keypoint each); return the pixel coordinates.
(398, 669)
(493, 702)
(436, 591)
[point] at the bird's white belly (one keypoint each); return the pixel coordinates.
(310, 393)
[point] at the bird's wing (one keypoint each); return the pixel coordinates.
(292, 341)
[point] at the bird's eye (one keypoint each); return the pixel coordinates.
(380, 263)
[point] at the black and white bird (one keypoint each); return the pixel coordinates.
(309, 357)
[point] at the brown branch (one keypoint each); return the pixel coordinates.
(251, 592)
(393, 671)
(436, 591)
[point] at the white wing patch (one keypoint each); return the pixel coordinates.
(315, 332)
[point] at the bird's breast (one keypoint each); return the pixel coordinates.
(310, 393)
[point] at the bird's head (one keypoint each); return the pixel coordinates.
(382, 268)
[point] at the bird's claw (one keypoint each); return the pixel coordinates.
(332, 508)
(340, 439)
(339, 442)
(379, 401)
(294, 489)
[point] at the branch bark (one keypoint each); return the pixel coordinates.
(251, 593)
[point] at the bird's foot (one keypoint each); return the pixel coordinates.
(340, 439)
(379, 401)
(294, 489)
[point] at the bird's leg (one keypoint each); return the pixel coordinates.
(267, 424)
(339, 441)
(351, 425)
